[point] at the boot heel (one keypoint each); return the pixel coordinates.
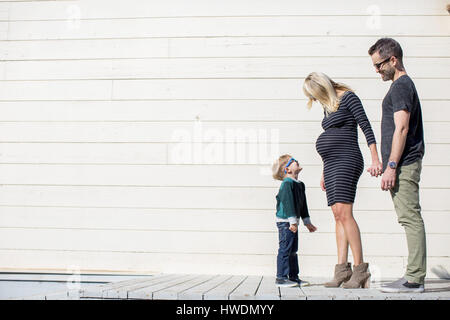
(366, 284)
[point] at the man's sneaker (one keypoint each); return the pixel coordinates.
(300, 282)
(404, 287)
(285, 283)
(395, 283)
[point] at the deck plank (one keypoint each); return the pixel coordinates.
(172, 293)
(372, 294)
(223, 290)
(97, 291)
(267, 289)
(232, 287)
(316, 290)
(148, 291)
(293, 293)
(198, 292)
(247, 289)
(349, 294)
(122, 292)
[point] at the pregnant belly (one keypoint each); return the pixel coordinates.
(335, 142)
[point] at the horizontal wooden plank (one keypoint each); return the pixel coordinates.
(380, 267)
(194, 141)
(195, 197)
(188, 110)
(247, 89)
(203, 242)
(301, 46)
(95, 9)
(84, 153)
(85, 49)
(5, 9)
(198, 219)
(3, 29)
(162, 68)
(156, 153)
(182, 175)
(227, 26)
(56, 90)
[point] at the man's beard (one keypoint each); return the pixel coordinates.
(388, 74)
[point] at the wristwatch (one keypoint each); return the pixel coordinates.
(392, 164)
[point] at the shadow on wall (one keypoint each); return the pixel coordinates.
(441, 272)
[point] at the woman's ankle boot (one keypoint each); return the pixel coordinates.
(360, 277)
(342, 272)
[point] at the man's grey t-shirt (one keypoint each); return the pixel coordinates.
(402, 95)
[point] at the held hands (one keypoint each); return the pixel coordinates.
(375, 169)
(387, 178)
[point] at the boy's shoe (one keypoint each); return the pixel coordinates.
(403, 287)
(285, 283)
(300, 282)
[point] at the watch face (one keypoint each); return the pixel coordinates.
(392, 165)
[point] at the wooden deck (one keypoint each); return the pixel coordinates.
(239, 287)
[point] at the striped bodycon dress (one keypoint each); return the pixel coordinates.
(338, 146)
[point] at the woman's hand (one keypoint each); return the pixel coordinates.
(376, 168)
(322, 183)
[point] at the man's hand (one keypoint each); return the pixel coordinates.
(293, 227)
(388, 179)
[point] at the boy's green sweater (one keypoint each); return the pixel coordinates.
(291, 201)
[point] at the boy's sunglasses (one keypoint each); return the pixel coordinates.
(289, 163)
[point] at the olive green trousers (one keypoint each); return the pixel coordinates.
(405, 196)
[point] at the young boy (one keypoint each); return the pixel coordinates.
(291, 205)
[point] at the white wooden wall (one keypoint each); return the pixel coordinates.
(136, 136)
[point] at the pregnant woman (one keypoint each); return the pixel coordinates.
(343, 164)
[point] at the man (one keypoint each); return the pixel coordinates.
(402, 150)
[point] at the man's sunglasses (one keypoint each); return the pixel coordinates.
(379, 64)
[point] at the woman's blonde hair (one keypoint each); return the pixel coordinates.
(318, 86)
(278, 167)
